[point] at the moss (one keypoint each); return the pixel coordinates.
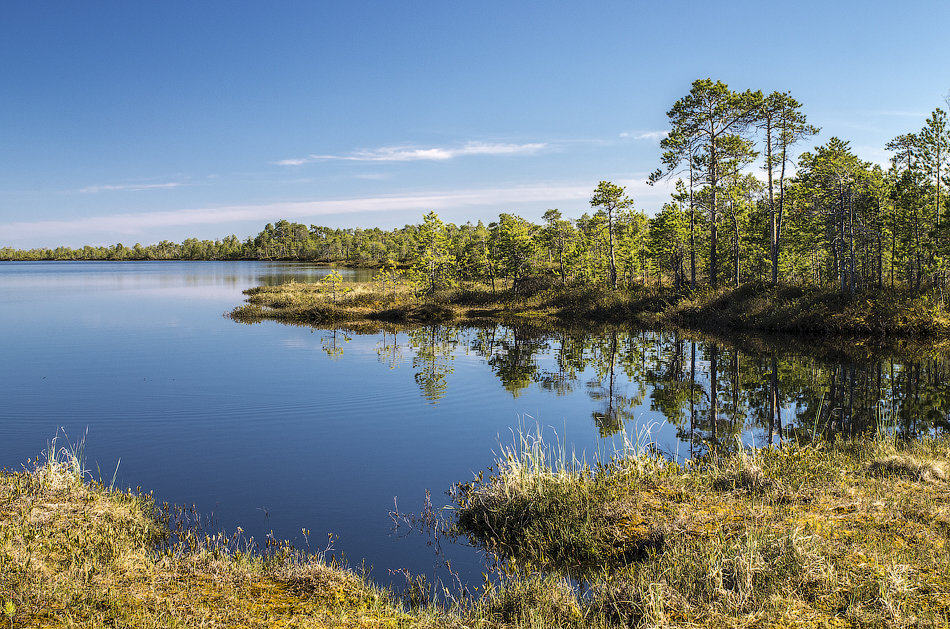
(839, 534)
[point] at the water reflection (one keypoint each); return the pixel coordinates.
(433, 349)
(389, 350)
(714, 393)
(511, 355)
(617, 385)
(333, 341)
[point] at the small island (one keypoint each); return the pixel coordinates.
(540, 301)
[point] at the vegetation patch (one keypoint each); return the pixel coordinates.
(74, 553)
(758, 306)
(753, 307)
(909, 467)
(840, 534)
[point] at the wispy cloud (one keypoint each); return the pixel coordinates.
(572, 197)
(130, 187)
(296, 161)
(414, 154)
(138, 223)
(899, 114)
(653, 136)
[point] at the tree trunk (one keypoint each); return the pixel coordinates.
(713, 219)
(610, 238)
(735, 247)
(851, 239)
(773, 222)
(692, 232)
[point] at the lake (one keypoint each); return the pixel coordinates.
(278, 428)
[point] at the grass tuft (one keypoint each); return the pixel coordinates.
(812, 534)
(75, 553)
(909, 467)
(535, 600)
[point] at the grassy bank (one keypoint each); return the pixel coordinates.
(843, 535)
(834, 535)
(807, 535)
(75, 554)
(752, 307)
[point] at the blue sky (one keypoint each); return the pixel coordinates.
(137, 122)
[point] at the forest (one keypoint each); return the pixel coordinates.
(747, 206)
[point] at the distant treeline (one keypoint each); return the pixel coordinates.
(827, 218)
(282, 240)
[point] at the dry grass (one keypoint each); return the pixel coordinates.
(321, 303)
(534, 303)
(909, 467)
(804, 535)
(75, 554)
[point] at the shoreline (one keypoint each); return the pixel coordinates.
(750, 308)
(811, 533)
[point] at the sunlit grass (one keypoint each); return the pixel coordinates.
(811, 534)
(753, 306)
(807, 534)
(74, 553)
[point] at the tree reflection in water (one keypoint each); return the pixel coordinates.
(389, 350)
(433, 348)
(712, 391)
(333, 341)
(610, 388)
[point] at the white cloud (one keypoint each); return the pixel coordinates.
(899, 114)
(134, 224)
(653, 136)
(294, 162)
(571, 197)
(134, 187)
(413, 154)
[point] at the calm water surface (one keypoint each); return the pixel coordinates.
(276, 428)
